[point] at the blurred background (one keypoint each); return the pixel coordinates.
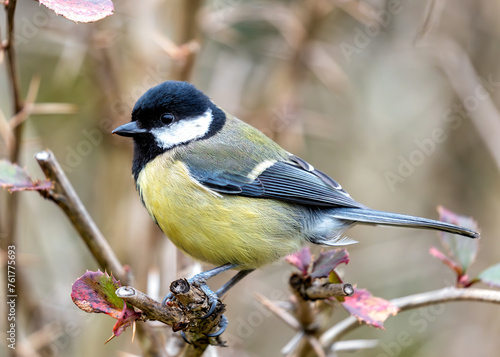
(397, 100)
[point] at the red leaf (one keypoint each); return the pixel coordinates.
(127, 317)
(368, 308)
(446, 260)
(95, 292)
(327, 261)
(14, 178)
(36, 185)
(81, 10)
(301, 259)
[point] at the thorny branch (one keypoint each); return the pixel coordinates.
(306, 290)
(414, 302)
(13, 145)
(305, 321)
(185, 313)
(182, 314)
(65, 197)
(9, 48)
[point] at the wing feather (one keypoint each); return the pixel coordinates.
(293, 180)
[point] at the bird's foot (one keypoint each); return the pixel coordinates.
(198, 281)
(212, 299)
(222, 327)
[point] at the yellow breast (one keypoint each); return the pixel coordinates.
(217, 228)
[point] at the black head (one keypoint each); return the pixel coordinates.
(169, 115)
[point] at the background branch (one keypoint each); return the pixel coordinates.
(12, 201)
(66, 198)
(328, 290)
(14, 81)
(413, 302)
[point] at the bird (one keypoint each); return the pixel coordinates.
(226, 194)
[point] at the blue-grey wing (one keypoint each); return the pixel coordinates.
(292, 180)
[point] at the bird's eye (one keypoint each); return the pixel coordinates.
(167, 118)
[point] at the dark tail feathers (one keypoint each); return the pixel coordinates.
(368, 216)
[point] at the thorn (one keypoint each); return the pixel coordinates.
(134, 324)
(109, 339)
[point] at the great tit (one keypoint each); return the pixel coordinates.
(226, 194)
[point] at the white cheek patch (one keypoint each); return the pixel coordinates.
(183, 131)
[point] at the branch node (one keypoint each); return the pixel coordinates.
(313, 289)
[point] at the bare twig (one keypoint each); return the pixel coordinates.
(327, 290)
(30, 107)
(413, 302)
(66, 198)
(152, 309)
(6, 133)
(315, 345)
(188, 33)
(54, 108)
(9, 47)
(326, 68)
(473, 91)
(42, 337)
(175, 52)
(41, 108)
(359, 10)
(463, 77)
(291, 345)
(284, 315)
(433, 15)
(354, 345)
(313, 289)
(307, 312)
(14, 142)
(24, 112)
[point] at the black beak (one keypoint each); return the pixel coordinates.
(130, 129)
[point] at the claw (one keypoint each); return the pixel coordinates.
(212, 297)
(167, 298)
(200, 282)
(183, 335)
(222, 324)
(213, 305)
